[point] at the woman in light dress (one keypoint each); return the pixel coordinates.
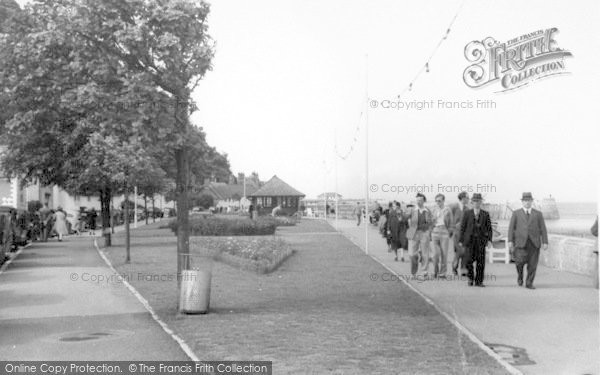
(60, 223)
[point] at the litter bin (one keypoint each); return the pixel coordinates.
(196, 274)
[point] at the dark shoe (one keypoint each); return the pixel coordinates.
(530, 287)
(480, 285)
(520, 282)
(470, 282)
(402, 259)
(455, 272)
(396, 259)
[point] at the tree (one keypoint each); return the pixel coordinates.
(66, 125)
(205, 201)
(163, 43)
(153, 182)
(72, 62)
(7, 9)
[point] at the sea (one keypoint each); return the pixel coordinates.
(576, 219)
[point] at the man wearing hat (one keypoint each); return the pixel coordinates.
(526, 233)
(458, 210)
(475, 234)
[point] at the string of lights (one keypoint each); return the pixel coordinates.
(426, 67)
(354, 141)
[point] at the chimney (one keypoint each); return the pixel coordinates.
(240, 179)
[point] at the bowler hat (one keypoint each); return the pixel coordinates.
(527, 196)
(476, 197)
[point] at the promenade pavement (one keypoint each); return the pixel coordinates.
(59, 301)
(553, 329)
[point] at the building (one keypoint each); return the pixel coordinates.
(276, 192)
(232, 196)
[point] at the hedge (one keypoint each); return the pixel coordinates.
(219, 226)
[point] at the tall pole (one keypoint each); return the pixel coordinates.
(336, 179)
(126, 215)
(366, 152)
(325, 190)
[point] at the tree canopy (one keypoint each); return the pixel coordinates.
(98, 95)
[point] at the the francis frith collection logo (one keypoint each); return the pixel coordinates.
(514, 63)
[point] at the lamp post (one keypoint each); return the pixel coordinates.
(366, 152)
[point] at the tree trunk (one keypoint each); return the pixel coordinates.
(182, 184)
(146, 208)
(112, 218)
(105, 197)
(126, 209)
(153, 211)
(183, 230)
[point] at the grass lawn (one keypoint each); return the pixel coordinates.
(317, 313)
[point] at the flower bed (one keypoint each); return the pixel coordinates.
(257, 254)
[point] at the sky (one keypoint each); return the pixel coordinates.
(295, 80)
(290, 83)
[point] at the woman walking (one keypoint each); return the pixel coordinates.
(60, 223)
(383, 226)
(397, 226)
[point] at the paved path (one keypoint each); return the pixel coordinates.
(46, 314)
(556, 326)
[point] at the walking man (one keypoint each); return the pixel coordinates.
(475, 234)
(458, 210)
(442, 231)
(45, 217)
(526, 233)
(358, 213)
(419, 235)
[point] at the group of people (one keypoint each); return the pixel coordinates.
(469, 227)
(55, 221)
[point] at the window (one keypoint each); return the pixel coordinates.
(268, 201)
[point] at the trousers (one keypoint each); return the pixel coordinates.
(476, 253)
(527, 255)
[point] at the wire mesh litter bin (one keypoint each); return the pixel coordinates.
(196, 274)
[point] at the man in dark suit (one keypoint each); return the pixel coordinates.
(526, 233)
(475, 234)
(458, 209)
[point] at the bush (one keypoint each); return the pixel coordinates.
(202, 200)
(230, 226)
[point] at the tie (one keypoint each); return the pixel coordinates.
(527, 214)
